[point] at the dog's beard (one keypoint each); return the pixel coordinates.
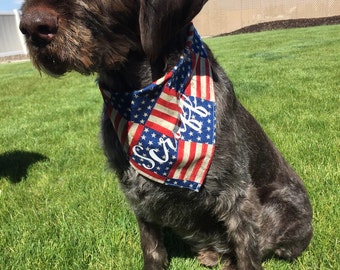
(74, 47)
(69, 50)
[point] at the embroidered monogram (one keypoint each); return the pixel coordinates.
(168, 128)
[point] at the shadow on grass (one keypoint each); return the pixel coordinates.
(14, 165)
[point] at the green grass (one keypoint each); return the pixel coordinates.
(60, 208)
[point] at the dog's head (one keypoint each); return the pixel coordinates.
(93, 35)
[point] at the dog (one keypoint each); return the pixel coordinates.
(187, 154)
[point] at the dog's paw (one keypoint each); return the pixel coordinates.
(227, 266)
(208, 258)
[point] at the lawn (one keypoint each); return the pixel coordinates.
(61, 208)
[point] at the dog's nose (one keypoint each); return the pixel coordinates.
(39, 25)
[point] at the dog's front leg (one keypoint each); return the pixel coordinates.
(243, 230)
(245, 238)
(154, 251)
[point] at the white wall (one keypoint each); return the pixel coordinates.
(11, 40)
(224, 16)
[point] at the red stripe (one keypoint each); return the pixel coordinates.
(170, 105)
(170, 92)
(194, 74)
(164, 116)
(207, 76)
(160, 129)
(208, 165)
(192, 150)
(109, 111)
(178, 160)
(200, 162)
(198, 79)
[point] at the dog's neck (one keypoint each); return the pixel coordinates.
(138, 71)
(167, 128)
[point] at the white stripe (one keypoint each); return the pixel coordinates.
(192, 166)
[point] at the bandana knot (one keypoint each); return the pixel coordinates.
(168, 128)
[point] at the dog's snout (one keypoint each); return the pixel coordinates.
(39, 25)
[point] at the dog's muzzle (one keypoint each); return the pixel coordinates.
(39, 25)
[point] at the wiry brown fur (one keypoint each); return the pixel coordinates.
(252, 205)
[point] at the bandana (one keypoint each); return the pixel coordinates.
(168, 128)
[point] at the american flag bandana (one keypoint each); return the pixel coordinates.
(168, 128)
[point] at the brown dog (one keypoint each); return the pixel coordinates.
(187, 154)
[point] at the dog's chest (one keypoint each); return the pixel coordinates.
(165, 205)
(189, 214)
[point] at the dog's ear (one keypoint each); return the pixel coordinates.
(159, 20)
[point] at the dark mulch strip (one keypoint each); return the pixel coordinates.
(13, 58)
(285, 24)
